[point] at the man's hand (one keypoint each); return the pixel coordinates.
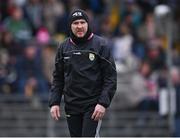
(98, 113)
(55, 112)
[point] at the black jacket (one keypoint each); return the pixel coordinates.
(84, 74)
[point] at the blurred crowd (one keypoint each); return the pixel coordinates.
(30, 31)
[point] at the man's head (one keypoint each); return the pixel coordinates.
(79, 26)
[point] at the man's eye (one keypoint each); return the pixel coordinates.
(83, 22)
(75, 23)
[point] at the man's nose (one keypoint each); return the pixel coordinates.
(79, 25)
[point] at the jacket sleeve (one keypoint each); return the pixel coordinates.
(57, 86)
(109, 75)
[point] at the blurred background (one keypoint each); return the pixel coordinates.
(145, 38)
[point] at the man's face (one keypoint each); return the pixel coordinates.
(79, 27)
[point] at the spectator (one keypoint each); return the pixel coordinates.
(17, 25)
(150, 101)
(55, 16)
(8, 42)
(31, 78)
(7, 74)
(33, 14)
(48, 52)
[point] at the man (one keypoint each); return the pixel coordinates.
(85, 74)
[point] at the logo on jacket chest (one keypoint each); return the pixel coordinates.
(91, 56)
(77, 53)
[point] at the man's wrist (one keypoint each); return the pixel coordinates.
(104, 105)
(55, 104)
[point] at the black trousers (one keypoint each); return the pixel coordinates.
(81, 125)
